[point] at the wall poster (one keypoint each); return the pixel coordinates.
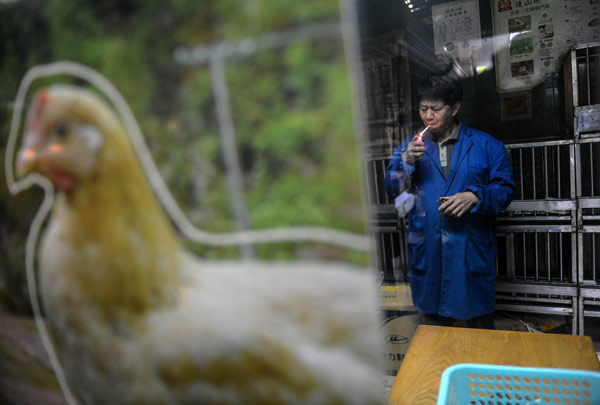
(515, 106)
(532, 36)
(457, 29)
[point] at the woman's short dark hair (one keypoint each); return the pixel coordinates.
(441, 86)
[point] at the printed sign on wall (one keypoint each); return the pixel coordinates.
(532, 36)
(457, 29)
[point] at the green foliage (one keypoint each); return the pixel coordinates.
(291, 109)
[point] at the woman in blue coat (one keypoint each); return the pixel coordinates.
(452, 241)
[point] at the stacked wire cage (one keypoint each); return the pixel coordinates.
(537, 240)
(386, 105)
(584, 73)
(549, 237)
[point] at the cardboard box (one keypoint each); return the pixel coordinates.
(398, 331)
(396, 297)
(399, 324)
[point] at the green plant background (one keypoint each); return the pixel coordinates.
(291, 108)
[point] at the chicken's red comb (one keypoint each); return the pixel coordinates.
(42, 98)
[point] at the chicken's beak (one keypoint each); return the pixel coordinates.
(27, 157)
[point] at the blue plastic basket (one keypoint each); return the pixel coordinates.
(481, 384)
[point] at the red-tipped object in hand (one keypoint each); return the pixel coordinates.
(419, 136)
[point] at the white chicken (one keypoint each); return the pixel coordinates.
(135, 319)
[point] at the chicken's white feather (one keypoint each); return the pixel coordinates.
(311, 326)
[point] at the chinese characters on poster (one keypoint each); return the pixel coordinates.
(532, 36)
(457, 29)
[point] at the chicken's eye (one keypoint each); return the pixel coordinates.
(62, 130)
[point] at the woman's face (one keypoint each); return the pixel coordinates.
(439, 116)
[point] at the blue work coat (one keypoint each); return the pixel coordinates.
(452, 261)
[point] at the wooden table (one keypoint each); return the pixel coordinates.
(435, 348)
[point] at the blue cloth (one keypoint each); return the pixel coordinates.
(452, 261)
